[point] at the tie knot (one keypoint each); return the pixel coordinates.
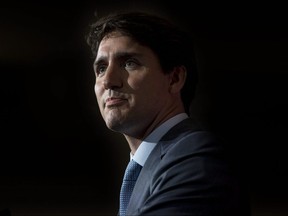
(132, 171)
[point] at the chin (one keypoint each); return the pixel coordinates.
(115, 126)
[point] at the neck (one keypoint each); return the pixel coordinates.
(135, 141)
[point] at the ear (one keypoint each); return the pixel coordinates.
(177, 79)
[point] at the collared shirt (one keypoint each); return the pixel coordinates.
(152, 139)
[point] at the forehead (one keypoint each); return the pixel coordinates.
(116, 42)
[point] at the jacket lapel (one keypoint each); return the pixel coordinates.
(142, 187)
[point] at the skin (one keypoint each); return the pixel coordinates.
(133, 93)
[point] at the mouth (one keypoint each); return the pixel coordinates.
(114, 101)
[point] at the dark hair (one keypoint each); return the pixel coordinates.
(173, 46)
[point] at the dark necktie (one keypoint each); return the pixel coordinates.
(131, 174)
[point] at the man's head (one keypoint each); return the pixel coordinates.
(142, 43)
(173, 46)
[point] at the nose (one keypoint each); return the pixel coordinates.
(112, 78)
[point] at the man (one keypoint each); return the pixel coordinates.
(145, 80)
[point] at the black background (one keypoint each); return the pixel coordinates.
(58, 158)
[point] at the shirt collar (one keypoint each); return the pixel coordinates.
(153, 138)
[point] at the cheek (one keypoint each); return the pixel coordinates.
(147, 85)
(135, 82)
(142, 81)
(147, 92)
(98, 92)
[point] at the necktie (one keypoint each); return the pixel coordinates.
(131, 174)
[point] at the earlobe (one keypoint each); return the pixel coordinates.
(177, 79)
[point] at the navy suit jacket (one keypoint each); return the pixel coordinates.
(186, 174)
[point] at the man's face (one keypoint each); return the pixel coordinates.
(131, 88)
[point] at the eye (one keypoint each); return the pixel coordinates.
(100, 69)
(131, 64)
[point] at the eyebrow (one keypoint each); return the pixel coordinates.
(118, 55)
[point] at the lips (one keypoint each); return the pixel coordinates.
(115, 101)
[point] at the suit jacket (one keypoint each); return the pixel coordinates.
(186, 174)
